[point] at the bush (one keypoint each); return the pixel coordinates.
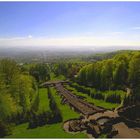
(57, 117)
(56, 113)
(48, 117)
(33, 120)
(99, 96)
(96, 94)
(81, 88)
(5, 129)
(114, 96)
(17, 118)
(39, 119)
(35, 104)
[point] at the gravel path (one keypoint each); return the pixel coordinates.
(107, 113)
(125, 132)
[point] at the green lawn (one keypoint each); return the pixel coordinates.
(49, 131)
(44, 101)
(100, 103)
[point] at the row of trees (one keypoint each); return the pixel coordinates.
(56, 113)
(69, 70)
(116, 96)
(42, 71)
(47, 117)
(118, 73)
(17, 90)
(41, 119)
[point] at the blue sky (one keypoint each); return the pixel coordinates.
(70, 23)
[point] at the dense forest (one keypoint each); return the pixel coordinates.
(122, 72)
(115, 79)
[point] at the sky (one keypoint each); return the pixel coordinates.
(70, 24)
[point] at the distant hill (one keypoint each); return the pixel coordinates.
(106, 55)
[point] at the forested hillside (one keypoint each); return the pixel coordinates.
(122, 72)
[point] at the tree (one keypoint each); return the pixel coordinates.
(22, 89)
(40, 72)
(120, 74)
(8, 70)
(134, 74)
(107, 75)
(82, 76)
(7, 105)
(90, 75)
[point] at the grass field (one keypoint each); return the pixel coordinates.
(48, 131)
(100, 103)
(44, 101)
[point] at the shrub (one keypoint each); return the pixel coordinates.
(39, 119)
(48, 117)
(5, 129)
(96, 94)
(114, 96)
(35, 104)
(57, 117)
(17, 118)
(81, 88)
(56, 113)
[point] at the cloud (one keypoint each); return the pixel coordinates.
(12, 38)
(116, 33)
(135, 28)
(29, 36)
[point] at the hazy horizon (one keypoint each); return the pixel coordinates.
(69, 48)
